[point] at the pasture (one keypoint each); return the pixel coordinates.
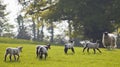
(57, 57)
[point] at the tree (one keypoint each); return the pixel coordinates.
(4, 25)
(22, 33)
(35, 9)
(91, 16)
(114, 14)
(32, 9)
(86, 17)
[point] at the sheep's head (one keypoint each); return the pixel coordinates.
(106, 33)
(20, 48)
(71, 41)
(48, 46)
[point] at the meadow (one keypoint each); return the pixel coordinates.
(57, 57)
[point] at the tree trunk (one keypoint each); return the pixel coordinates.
(34, 31)
(42, 33)
(70, 30)
(38, 35)
(52, 33)
(38, 31)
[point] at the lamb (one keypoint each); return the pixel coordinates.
(69, 45)
(14, 52)
(94, 46)
(38, 46)
(109, 40)
(42, 52)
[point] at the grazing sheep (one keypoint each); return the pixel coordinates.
(69, 45)
(109, 40)
(38, 46)
(14, 52)
(42, 52)
(94, 46)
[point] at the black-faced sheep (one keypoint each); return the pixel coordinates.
(46, 46)
(109, 40)
(90, 45)
(69, 45)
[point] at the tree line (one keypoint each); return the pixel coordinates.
(87, 19)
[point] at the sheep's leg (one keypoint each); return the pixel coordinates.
(65, 50)
(10, 57)
(88, 50)
(46, 55)
(94, 50)
(41, 55)
(37, 52)
(84, 49)
(72, 50)
(5, 56)
(18, 57)
(99, 50)
(14, 57)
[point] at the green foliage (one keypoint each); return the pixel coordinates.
(90, 17)
(4, 26)
(93, 17)
(22, 33)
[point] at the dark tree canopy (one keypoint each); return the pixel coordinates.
(92, 16)
(89, 17)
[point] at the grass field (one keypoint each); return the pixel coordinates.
(57, 58)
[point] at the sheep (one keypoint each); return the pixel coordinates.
(109, 40)
(42, 51)
(13, 51)
(94, 46)
(38, 46)
(69, 45)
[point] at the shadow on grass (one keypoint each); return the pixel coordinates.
(110, 50)
(43, 59)
(97, 53)
(13, 61)
(70, 54)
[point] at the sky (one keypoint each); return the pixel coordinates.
(13, 7)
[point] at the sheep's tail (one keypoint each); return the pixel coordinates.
(114, 41)
(7, 50)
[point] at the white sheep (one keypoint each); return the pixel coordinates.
(109, 40)
(69, 45)
(13, 51)
(90, 45)
(42, 52)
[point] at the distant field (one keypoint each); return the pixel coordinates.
(57, 58)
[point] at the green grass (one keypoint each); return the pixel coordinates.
(57, 58)
(17, 41)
